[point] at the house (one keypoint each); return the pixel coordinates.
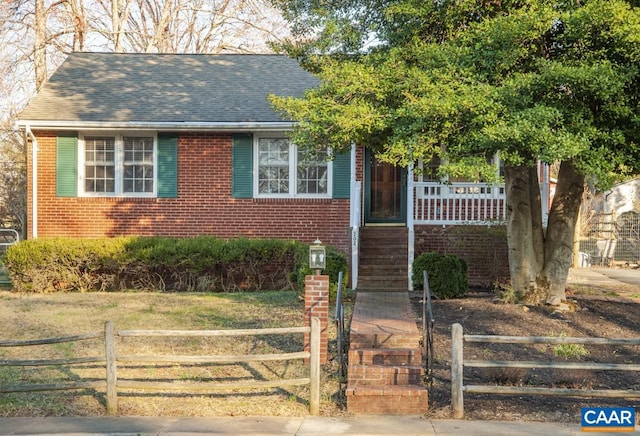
(184, 145)
(610, 227)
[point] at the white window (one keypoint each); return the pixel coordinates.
(118, 165)
(284, 170)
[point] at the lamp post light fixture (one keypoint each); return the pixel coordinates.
(317, 256)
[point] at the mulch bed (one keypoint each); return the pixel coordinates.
(479, 313)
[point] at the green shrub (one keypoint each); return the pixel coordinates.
(159, 263)
(447, 274)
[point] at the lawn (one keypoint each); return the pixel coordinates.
(36, 316)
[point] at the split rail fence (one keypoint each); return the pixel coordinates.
(112, 358)
(458, 363)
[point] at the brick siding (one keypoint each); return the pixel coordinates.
(204, 204)
(483, 248)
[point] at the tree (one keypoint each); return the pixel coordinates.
(35, 37)
(536, 81)
(13, 184)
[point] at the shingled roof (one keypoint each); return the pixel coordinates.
(111, 89)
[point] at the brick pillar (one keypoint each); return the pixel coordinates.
(316, 305)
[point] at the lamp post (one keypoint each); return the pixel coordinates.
(316, 297)
(317, 257)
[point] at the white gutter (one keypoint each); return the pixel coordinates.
(34, 182)
(159, 126)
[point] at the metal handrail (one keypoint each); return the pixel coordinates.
(339, 320)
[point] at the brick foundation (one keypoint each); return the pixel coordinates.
(483, 248)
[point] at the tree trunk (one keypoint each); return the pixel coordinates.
(40, 49)
(561, 230)
(525, 238)
(538, 263)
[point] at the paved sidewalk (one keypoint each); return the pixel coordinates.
(299, 426)
(607, 279)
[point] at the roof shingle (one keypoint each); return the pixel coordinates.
(167, 88)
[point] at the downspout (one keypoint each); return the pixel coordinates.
(355, 219)
(34, 182)
(410, 225)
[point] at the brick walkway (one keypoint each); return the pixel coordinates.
(383, 313)
(385, 370)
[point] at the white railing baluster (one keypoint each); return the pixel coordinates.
(458, 203)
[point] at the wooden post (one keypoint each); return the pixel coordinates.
(457, 356)
(314, 368)
(110, 351)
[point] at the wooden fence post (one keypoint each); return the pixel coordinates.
(314, 367)
(110, 351)
(457, 357)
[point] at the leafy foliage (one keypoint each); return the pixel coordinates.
(159, 263)
(534, 80)
(447, 274)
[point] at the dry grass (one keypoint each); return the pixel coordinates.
(36, 316)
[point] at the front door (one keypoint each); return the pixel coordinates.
(385, 192)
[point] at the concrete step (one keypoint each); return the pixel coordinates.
(388, 400)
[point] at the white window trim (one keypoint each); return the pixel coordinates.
(293, 173)
(119, 164)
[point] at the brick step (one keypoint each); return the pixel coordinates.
(388, 400)
(384, 250)
(385, 375)
(397, 233)
(382, 286)
(363, 341)
(386, 356)
(381, 276)
(377, 278)
(381, 268)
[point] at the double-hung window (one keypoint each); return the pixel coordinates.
(284, 170)
(118, 165)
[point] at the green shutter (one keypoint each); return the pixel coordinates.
(242, 166)
(342, 175)
(67, 165)
(167, 166)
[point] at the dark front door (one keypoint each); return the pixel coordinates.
(385, 192)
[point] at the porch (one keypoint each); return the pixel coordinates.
(383, 252)
(457, 203)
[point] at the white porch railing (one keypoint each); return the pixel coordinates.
(458, 203)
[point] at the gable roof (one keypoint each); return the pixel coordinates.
(166, 91)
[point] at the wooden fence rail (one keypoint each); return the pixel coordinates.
(111, 359)
(458, 363)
